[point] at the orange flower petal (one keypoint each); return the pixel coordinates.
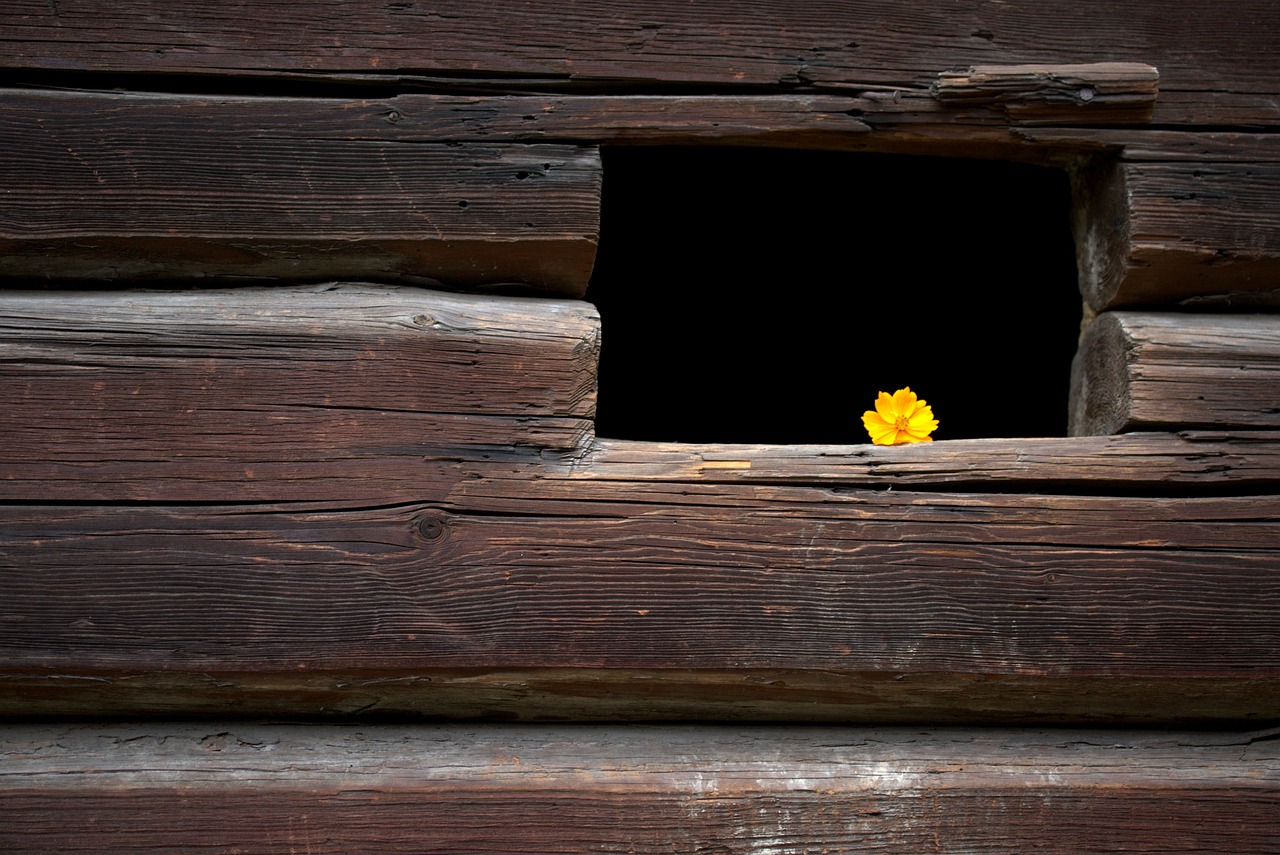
(922, 420)
(882, 435)
(903, 401)
(884, 406)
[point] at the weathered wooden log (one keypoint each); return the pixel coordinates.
(1149, 231)
(375, 395)
(382, 457)
(864, 45)
(422, 118)
(122, 191)
(231, 787)
(1140, 371)
(443, 519)
(1189, 462)
(1151, 234)
(1089, 93)
(737, 581)
(198, 380)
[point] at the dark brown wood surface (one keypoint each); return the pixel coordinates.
(1143, 371)
(1104, 93)
(1157, 232)
(353, 502)
(233, 787)
(375, 394)
(218, 378)
(106, 186)
(1217, 61)
(422, 499)
(419, 118)
(739, 581)
(148, 191)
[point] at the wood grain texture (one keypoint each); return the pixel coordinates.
(193, 379)
(1189, 462)
(742, 580)
(643, 694)
(225, 787)
(1218, 61)
(426, 118)
(285, 187)
(1155, 233)
(385, 395)
(100, 189)
(1096, 93)
(1138, 371)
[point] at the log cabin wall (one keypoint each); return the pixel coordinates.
(299, 389)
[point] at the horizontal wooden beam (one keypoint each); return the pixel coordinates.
(738, 580)
(419, 523)
(1156, 233)
(423, 118)
(384, 395)
(197, 380)
(381, 456)
(1138, 371)
(289, 198)
(275, 788)
(867, 45)
(109, 188)
(1188, 461)
(643, 694)
(906, 122)
(1086, 93)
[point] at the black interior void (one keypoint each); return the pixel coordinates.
(766, 296)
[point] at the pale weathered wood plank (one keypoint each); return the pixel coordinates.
(1138, 371)
(108, 188)
(227, 787)
(1218, 62)
(194, 379)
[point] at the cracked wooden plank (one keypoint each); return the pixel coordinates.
(383, 395)
(106, 188)
(1144, 371)
(1063, 596)
(417, 118)
(1169, 221)
(1156, 233)
(862, 45)
(225, 786)
(223, 380)
(1080, 94)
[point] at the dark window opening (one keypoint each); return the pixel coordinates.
(766, 296)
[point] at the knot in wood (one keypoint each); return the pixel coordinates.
(430, 526)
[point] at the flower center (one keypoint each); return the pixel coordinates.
(901, 422)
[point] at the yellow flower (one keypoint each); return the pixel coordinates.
(899, 418)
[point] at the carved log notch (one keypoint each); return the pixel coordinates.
(1163, 371)
(1162, 230)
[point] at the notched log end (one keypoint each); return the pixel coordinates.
(1100, 401)
(1101, 225)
